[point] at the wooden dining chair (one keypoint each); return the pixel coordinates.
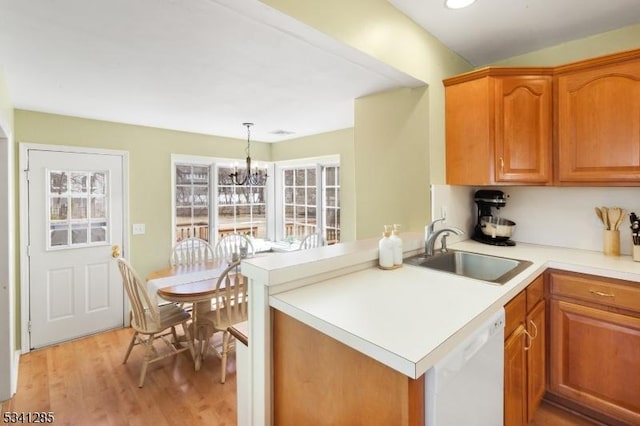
(191, 251)
(152, 321)
(234, 243)
(231, 301)
(312, 241)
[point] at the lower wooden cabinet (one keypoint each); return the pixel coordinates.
(515, 378)
(536, 358)
(318, 380)
(524, 354)
(595, 345)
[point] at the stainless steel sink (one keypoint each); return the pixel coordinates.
(494, 269)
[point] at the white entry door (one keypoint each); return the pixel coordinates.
(75, 223)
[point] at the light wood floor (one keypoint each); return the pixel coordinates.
(84, 382)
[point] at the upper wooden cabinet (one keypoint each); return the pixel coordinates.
(498, 127)
(572, 125)
(598, 121)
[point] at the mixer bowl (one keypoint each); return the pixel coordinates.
(496, 226)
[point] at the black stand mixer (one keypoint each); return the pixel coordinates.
(492, 229)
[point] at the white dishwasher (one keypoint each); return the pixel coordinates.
(466, 387)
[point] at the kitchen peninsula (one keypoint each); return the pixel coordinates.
(406, 319)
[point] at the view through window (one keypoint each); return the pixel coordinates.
(206, 200)
(307, 191)
(241, 209)
(192, 201)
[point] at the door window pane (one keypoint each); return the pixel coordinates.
(71, 212)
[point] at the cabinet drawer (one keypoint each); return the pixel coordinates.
(515, 312)
(535, 293)
(605, 291)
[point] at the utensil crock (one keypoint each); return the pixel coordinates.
(611, 246)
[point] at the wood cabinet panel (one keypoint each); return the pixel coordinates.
(469, 147)
(498, 128)
(536, 358)
(318, 380)
(525, 354)
(535, 292)
(599, 124)
(604, 291)
(515, 312)
(595, 359)
(523, 129)
(515, 379)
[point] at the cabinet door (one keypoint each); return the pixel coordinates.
(515, 379)
(599, 124)
(469, 146)
(523, 129)
(595, 359)
(536, 358)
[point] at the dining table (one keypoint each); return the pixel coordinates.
(195, 284)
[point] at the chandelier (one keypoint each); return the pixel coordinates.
(248, 177)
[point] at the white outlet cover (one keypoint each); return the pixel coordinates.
(138, 229)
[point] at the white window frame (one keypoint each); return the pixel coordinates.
(214, 163)
(318, 163)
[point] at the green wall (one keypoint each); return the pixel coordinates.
(378, 29)
(392, 154)
(625, 38)
(149, 168)
(6, 107)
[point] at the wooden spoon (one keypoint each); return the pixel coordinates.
(605, 217)
(622, 216)
(599, 214)
(614, 217)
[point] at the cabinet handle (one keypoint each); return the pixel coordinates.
(600, 293)
(502, 164)
(527, 345)
(535, 329)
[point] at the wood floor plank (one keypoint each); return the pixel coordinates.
(84, 382)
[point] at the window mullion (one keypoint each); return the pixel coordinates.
(320, 213)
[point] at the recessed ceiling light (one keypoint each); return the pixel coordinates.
(458, 4)
(281, 132)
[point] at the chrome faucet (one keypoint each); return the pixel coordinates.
(431, 236)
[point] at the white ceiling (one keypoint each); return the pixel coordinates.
(202, 66)
(207, 66)
(491, 30)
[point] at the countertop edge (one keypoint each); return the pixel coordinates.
(416, 368)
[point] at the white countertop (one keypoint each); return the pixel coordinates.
(409, 318)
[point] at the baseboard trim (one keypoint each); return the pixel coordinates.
(14, 371)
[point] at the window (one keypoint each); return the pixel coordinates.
(331, 203)
(241, 209)
(205, 200)
(310, 200)
(300, 202)
(192, 201)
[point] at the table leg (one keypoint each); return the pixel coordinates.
(201, 331)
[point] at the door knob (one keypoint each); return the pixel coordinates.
(115, 251)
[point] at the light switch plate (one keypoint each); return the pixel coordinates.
(138, 228)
